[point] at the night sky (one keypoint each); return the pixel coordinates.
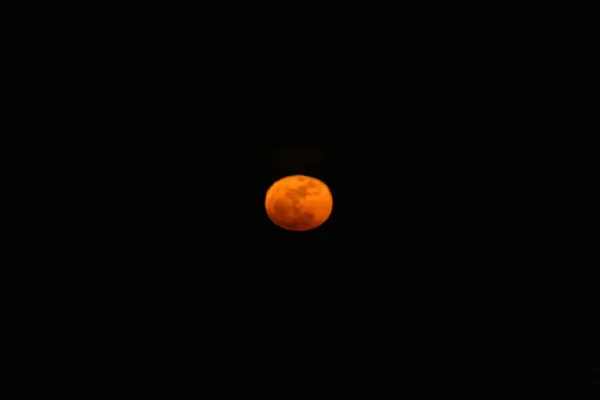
(452, 261)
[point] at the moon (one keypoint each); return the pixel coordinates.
(298, 203)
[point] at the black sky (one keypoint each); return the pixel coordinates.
(455, 150)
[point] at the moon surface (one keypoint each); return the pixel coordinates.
(299, 203)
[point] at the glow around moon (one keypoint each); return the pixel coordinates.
(299, 203)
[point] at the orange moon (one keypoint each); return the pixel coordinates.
(299, 203)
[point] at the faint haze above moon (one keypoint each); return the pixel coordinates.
(297, 156)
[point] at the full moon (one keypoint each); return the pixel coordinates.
(298, 203)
